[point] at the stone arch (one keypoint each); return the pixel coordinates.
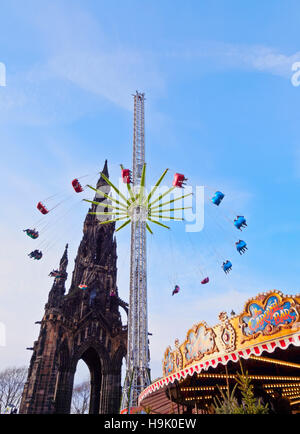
(91, 358)
(97, 359)
(118, 357)
(98, 347)
(123, 304)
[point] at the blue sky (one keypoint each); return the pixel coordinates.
(220, 108)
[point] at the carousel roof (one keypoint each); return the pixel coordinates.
(269, 323)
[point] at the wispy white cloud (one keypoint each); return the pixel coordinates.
(113, 75)
(238, 56)
(76, 71)
(90, 59)
(80, 69)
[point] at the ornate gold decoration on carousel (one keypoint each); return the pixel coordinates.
(178, 357)
(173, 360)
(168, 362)
(200, 341)
(268, 314)
(228, 335)
(266, 317)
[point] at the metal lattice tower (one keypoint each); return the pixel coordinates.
(137, 369)
(139, 209)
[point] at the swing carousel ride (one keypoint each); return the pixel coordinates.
(141, 210)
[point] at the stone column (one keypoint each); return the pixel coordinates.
(63, 392)
(110, 397)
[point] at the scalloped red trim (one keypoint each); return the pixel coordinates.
(214, 362)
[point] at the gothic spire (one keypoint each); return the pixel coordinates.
(58, 288)
(101, 181)
(97, 250)
(64, 260)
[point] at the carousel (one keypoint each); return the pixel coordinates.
(264, 339)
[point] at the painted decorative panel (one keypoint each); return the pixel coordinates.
(268, 316)
(200, 340)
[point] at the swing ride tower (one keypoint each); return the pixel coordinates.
(137, 365)
(138, 209)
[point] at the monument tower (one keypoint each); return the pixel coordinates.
(82, 324)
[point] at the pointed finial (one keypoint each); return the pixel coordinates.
(64, 260)
(105, 172)
(105, 169)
